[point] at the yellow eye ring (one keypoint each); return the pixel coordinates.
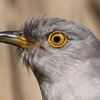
(57, 39)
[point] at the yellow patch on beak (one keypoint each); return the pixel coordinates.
(25, 43)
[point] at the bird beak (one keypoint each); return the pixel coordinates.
(11, 37)
(14, 38)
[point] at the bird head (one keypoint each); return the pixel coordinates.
(51, 47)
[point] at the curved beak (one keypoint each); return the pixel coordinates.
(11, 37)
(14, 38)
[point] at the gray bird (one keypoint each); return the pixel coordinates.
(63, 55)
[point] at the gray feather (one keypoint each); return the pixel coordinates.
(71, 72)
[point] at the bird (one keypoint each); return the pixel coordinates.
(63, 55)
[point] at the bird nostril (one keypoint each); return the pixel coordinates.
(20, 34)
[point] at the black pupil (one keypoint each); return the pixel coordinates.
(56, 39)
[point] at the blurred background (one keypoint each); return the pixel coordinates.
(16, 83)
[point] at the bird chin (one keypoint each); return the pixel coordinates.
(25, 54)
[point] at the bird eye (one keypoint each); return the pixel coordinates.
(57, 39)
